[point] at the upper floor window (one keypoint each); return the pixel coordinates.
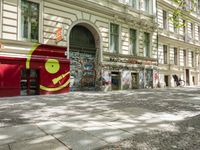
(133, 41)
(133, 3)
(184, 57)
(199, 33)
(198, 6)
(191, 30)
(184, 29)
(175, 56)
(146, 44)
(165, 54)
(114, 38)
(29, 20)
(165, 19)
(146, 5)
(192, 58)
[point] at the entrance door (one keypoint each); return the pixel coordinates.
(187, 71)
(29, 82)
(166, 81)
(134, 80)
(115, 80)
(82, 59)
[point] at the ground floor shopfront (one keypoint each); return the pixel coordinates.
(33, 69)
(189, 75)
(127, 72)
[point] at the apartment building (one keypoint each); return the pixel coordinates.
(178, 50)
(111, 45)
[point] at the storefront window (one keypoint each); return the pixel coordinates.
(29, 82)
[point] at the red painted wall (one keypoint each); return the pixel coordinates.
(9, 80)
(10, 71)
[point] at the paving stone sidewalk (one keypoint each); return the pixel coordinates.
(151, 119)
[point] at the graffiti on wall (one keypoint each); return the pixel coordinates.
(141, 79)
(149, 78)
(106, 77)
(126, 80)
(56, 72)
(156, 78)
(82, 71)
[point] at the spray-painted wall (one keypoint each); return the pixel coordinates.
(82, 71)
(126, 80)
(106, 80)
(148, 78)
(141, 79)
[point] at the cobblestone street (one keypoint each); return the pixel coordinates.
(150, 119)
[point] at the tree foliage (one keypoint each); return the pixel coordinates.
(183, 6)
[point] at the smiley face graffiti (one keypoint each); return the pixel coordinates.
(54, 71)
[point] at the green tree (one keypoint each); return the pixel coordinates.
(182, 8)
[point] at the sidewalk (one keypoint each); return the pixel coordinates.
(86, 121)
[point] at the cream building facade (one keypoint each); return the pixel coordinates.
(178, 50)
(112, 44)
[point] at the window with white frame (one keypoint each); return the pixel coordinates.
(29, 20)
(198, 6)
(133, 3)
(146, 44)
(165, 54)
(165, 21)
(191, 30)
(192, 58)
(184, 57)
(199, 33)
(114, 38)
(146, 5)
(133, 41)
(175, 56)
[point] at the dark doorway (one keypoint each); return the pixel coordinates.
(29, 82)
(115, 80)
(134, 80)
(193, 80)
(166, 78)
(187, 71)
(82, 55)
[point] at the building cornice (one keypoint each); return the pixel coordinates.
(140, 18)
(177, 42)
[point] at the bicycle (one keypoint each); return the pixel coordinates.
(179, 81)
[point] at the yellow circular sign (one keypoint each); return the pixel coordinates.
(52, 66)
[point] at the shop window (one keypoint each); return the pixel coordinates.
(29, 20)
(133, 41)
(114, 38)
(146, 44)
(29, 82)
